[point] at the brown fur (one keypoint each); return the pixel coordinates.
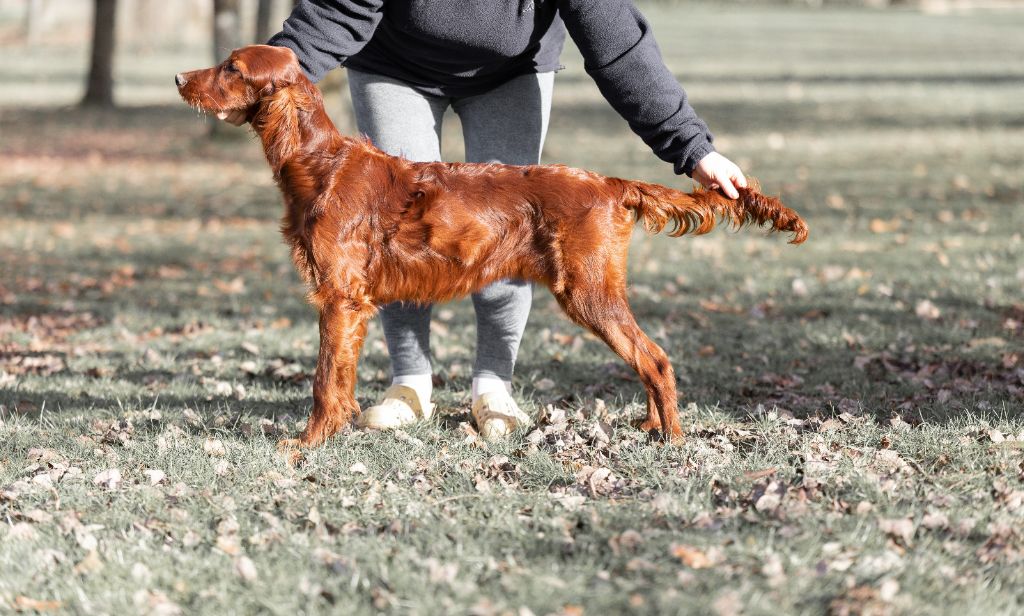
(366, 228)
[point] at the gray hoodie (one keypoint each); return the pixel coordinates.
(466, 47)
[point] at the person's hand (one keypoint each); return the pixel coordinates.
(715, 171)
(235, 116)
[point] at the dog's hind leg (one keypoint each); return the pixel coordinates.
(342, 330)
(606, 313)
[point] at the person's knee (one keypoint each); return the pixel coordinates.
(401, 319)
(503, 298)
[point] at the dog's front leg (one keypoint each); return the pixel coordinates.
(342, 329)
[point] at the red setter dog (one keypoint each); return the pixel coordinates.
(366, 228)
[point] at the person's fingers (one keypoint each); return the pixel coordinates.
(235, 117)
(716, 172)
(727, 188)
(739, 179)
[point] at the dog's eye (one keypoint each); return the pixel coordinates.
(231, 68)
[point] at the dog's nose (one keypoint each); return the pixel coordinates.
(179, 80)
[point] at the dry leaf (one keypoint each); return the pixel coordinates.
(888, 589)
(191, 539)
(898, 528)
(627, 541)
(728, 604)
(21, 531)
(878, 225)
(935, 520)
(90, 564)
(858, 601)
(39, 454)
(236, 286)
(214, 447)
(690, 556)
(246, 569)
(927, 310)
(39, 516)
(86, 540)
(771, 498)
(24, 604)
(155, 603)
(229, 544)
(544, 384)
(109, 479)
(141, 573)
(228, 526)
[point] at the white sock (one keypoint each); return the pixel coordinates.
(422, 384)
(489, 385)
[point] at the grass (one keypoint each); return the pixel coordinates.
(854, 436)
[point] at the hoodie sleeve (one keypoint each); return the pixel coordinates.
(324, 33)
(621, 55)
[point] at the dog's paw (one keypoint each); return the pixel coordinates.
(654, 429)
(673, 435)
(649, 426)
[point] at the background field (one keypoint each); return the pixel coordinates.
(854, 438)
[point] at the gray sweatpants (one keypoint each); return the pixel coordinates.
(507, 125)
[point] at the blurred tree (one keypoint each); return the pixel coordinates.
(227, 31)
(227, 35)
(99, 88)
(263, 10)
(33, 15)
(147, 17)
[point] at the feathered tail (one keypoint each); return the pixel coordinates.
(699, 211)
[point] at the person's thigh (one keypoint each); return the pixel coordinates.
(507, 124)
(402, 122)
(397, 118)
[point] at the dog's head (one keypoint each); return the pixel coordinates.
(248, 76)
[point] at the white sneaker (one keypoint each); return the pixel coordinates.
(496, 415)
(401, 406)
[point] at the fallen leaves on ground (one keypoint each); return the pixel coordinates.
(25, 604)
(693, 557)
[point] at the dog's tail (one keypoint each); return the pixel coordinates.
(699, 211)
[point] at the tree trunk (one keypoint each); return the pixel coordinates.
(226, 29)
(263, 11)
(99, 89)
(33, 19)
(226, 38)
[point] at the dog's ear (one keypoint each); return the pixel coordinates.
(287, 73)
(273, 67)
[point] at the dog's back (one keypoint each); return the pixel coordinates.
(442, 230)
